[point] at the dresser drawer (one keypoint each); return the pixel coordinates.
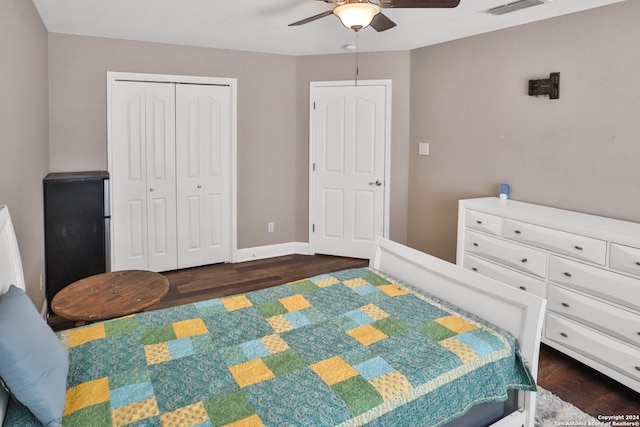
(608, 285)
(605, 317)
(607, 351)
(625, 258)
(483, 222)
(516, 256)
(577, 246)
(505, 275)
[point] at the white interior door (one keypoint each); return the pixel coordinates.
(143, 216)
(349, 139)
(203, 157)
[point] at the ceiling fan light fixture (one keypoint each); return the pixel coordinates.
(356, 16)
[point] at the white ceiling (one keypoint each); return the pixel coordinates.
(262, 25)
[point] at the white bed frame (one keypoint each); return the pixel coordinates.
(515, 311)
(518, 312)
(10, 273)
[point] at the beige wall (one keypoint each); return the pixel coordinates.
(469, 101)
(266, 117)
(273, 104)
(373, 66)
(24, 118)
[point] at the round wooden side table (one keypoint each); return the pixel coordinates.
(108, 295)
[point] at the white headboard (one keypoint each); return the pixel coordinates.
(10, 262)
(10, 274)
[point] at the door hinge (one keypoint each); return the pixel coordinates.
(314, 105)
(314, 167)
(313, 228)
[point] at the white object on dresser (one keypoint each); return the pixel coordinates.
(587, 266)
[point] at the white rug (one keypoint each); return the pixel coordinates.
(551, 411)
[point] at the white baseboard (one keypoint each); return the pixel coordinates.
(271, 251)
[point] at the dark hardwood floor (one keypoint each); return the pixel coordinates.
(218, 280)
(585, 388)
(572, 381)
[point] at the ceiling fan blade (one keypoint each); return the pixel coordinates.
(382, 23)
(419, 4)
(312, 18)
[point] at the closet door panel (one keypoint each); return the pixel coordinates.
(193, 237)
(128, 176)
(143, 213)
(136, 242)
(216, 143)
(214, 213)
(203, 157)
(189, 176)
(161, 176)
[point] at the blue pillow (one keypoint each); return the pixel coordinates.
(33, 362)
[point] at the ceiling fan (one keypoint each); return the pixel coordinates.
(358, 14)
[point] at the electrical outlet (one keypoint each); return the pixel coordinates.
(271, 227)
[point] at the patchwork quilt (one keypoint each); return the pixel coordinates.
(347, 348)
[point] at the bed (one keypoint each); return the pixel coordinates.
(347, 348)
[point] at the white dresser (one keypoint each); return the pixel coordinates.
(588, 267)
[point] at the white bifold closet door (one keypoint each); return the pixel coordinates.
(143, 176)
(203, 182)
(170, 175)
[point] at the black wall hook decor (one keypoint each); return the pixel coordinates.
(550, 86)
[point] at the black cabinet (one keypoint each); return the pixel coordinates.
(76, 224)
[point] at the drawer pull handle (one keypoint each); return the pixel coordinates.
(637, 368)
(564, 335)
(517, 231)
(564, 304)
(478, 222)
(638, 263)
(476, 245)
(567, 274)
(524, 260)
(474, 269)
(579, 248)
(524, 288)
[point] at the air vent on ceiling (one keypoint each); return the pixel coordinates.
(512, 7)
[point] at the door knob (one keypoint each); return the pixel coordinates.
(151, 189)
(377, 183)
